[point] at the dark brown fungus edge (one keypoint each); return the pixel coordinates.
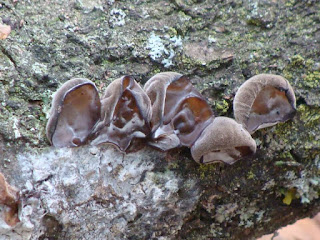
(264, 100)
(179, 112)
(75, 110)
(125, 115)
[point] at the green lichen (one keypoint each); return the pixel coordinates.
(285, 155)
(190, 63)
(289, 3)
(312, 80)
(305, 185)
(254, 22)
(301, 134)
(310, 116)
(172, 32)
(289, 195)
(207, 171)
(297, 61)
(247, 212)
(221, 106)
(250, 175)
(301, 71)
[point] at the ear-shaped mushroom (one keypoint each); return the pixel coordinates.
(75, 110)
(263, 101)
(125, 114)
(179, 112)
(223, 140)
(9, 197)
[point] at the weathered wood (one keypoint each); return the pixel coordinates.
(96, 192)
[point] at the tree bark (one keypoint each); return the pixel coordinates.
(99, 193)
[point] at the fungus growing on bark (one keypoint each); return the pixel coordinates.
(125, 114)
(263, 101)
(9, 196)
(170, 113)
(179, 112)
(75, 110)
(223, 140)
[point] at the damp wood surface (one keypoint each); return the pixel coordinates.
(75, 193)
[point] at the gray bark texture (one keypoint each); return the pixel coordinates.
(97, 192)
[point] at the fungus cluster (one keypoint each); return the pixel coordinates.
(9, 197)
(167, 113)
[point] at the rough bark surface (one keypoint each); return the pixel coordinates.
(99, 193)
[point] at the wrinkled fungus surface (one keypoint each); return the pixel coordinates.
(75, 110)
(264, 100)
(125, 114)
(168, 113)
(224, 140)
(179, 111)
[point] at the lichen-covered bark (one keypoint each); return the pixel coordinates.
(218, 44)
(95, 193)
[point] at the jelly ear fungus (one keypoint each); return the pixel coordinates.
(223, 140)
(125, 114)
(264, 100)
(169, 112)
(75, 110)
(179, 112)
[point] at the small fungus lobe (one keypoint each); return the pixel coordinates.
(179, 112)
(125, 114)
(223, 140)
(75, 110)
(264, 100)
